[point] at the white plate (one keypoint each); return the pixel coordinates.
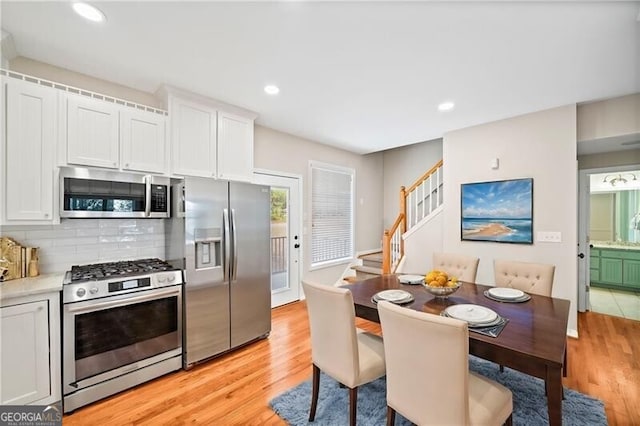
(411, 279)
(393, 295)
(473, 314)
(506, 293)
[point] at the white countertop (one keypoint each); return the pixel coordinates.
(46, 283)
(616, 246)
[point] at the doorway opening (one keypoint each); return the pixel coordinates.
(286, 238)
(609, 241)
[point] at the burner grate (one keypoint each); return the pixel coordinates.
(100, 271)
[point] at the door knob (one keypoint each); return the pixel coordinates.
(581, 255)
(296, 245)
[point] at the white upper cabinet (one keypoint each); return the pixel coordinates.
(193, 138)
(92, 132)
(27, 155)
(110, 134)
(209, 138)
(142, 140)
(235, 147)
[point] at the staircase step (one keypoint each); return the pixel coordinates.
(364, 272)
(373, 260)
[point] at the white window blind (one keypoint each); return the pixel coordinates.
(331, 214)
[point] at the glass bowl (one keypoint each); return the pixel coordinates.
(442, 291)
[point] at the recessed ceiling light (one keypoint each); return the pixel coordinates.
(89, 12)
(271, 89)
(446, 106)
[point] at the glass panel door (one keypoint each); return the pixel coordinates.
(285, 237)
(279, 239)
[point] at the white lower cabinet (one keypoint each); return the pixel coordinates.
(30, 350)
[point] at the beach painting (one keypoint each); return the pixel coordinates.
(500, 211)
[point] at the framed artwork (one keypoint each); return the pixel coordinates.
(499, 211)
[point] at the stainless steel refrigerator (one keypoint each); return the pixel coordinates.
(220, 235)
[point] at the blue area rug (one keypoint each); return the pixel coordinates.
(529, 401)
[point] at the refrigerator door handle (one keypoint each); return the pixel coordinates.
(235, 244)
(226, 267)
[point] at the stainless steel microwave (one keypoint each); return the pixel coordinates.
(89, 193)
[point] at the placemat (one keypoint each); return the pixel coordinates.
(491, 331)
(375, 299)
(521, 299)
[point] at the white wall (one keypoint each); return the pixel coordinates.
(274, 150)
(84, 241)
(420, 243)
(542, 146)
(609, 118)
(60, 75)
(402, 166)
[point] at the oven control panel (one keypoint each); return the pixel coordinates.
(77, 292)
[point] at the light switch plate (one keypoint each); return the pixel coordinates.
(549, 237)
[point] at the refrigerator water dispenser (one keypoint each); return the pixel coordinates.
(208, 242)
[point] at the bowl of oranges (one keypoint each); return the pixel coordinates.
(440, 284)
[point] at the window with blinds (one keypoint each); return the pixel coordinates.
(331, 214)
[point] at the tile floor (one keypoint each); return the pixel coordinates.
(614, 302)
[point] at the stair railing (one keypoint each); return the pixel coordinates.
(416, 203)
(393, 245)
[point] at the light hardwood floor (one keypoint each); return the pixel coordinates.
(235, 389)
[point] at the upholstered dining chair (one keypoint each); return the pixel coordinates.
(463, 267)
(428, 377)
(535, 278)
(351, 356)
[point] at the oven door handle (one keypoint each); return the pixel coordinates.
(122, 302)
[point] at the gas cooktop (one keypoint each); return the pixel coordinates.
(105, 271)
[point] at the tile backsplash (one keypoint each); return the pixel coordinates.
(83, 241)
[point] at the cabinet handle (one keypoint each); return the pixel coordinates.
(46, 215)
(115, 164)
(40, 308)
(126, 165)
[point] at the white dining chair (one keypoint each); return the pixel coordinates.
(463, 267)
(534, 278)
(428, 377)
(351, 356)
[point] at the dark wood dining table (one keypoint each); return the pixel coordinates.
(533, 341)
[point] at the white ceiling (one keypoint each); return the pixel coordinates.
(364, 76)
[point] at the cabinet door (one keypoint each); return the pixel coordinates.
(92, 132)
(25, 353)
(193, 139)
(235, 147)
(611, 270)
(142, 139)
(30, 145)
(631, 273)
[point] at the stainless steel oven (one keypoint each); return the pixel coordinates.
(119, 330)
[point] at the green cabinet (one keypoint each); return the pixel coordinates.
(615, 268)
(594, 264)
(631, 273)
(610, 270)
